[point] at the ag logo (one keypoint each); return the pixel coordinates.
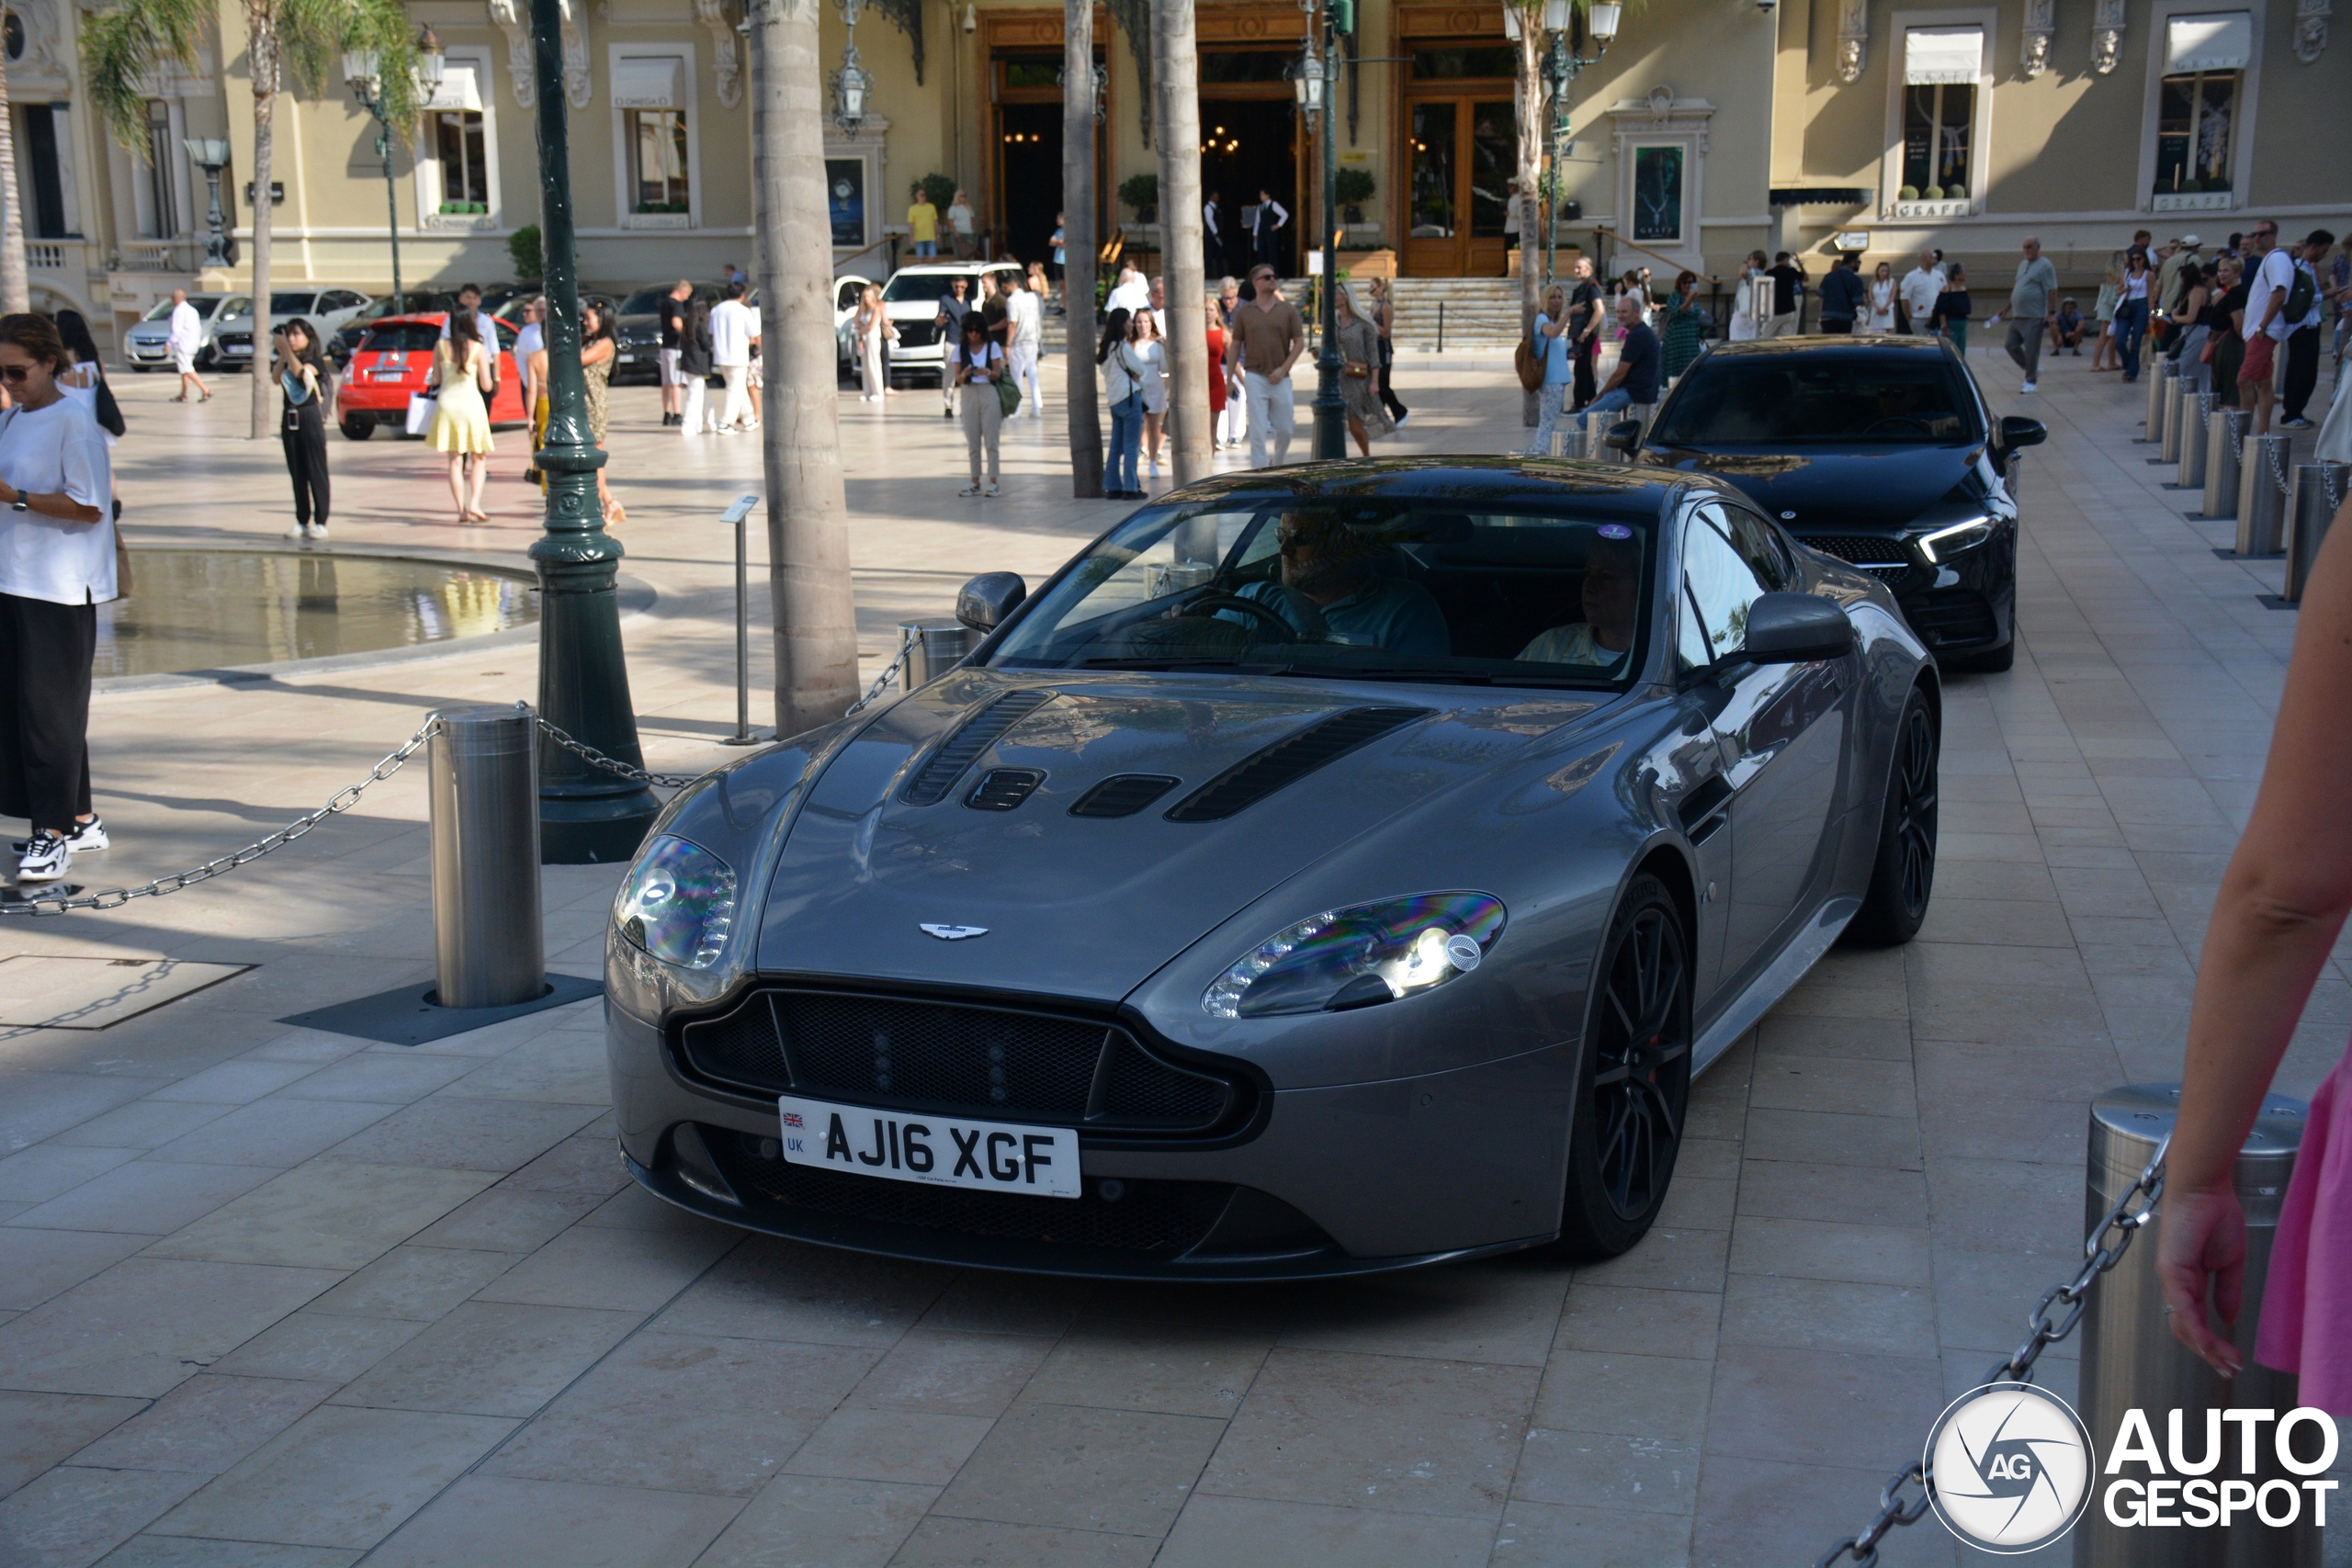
(2012, 1464)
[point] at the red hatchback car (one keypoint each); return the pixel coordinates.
(393, 362)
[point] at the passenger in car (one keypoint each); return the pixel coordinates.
(1613, 582)
(1336, 569)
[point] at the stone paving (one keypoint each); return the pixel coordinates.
(272, 1297)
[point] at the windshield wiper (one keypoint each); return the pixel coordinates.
(1446, 677)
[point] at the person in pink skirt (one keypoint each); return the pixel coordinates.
(2282, 902)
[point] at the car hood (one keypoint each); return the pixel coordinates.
(1088, 907)
(1831, 489)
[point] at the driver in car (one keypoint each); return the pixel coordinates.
(1335, 568)
(1613, 582)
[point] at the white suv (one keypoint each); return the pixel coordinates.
(912, 298)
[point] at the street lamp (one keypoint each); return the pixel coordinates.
(587, 814)
(852, 82)
(1562, 66)
(211, 154)
(1315, 83)
(363, 73)
(1101, 86)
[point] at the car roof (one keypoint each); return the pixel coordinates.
(947, 269)
(1827, 343)
(1460, 480)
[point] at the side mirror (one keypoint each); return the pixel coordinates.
(985, 601)
(2018, 431)
(1623, 436)
(1796, 628)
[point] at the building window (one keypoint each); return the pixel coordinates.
(457, 166)
(161, 150)
(657, 139)
(1936, 121)
(2194, 116)
(462, 147)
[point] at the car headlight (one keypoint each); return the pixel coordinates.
(677, 903)
(1946, 543)
(1359, 956)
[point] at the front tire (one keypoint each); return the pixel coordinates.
(1637, 1078)
(1904, 875)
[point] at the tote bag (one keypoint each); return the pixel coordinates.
(420, 411)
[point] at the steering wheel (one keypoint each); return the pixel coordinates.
(1913, 421)
(1208, 604)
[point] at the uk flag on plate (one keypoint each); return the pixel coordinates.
(792, 1118)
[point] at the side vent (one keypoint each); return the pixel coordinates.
(964, 745)
(1123, 796)
(1001, 789)
(1290, 759)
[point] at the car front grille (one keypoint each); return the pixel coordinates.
(994, 1063)
(1159, 1217)
(1861, 549)
(917, 334)
(1953, 617)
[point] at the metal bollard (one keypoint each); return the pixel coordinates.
(2130, 1360)
(2160, 372)
(484, 773)
(936, 648)
(2199, 411)
(2319, 489)
(2223, 435)
(2262, 497)
(2176, 410)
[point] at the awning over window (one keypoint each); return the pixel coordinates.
(2211, 40)
(1943, 54)
(648, 85)
(459, 89)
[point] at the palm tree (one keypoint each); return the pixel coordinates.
(16, 282)
(1181, 263)
(123, 48)
(814, 605)
(1529, 84)
(1078, 246)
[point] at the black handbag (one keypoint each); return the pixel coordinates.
(109, 412)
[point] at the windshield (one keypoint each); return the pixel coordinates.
(1812, 396)
(203, 303)
(292, 304)
(645, 301)
(1352, 589)
(927, 287)
(401, 337)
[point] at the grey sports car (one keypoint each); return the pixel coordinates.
(1331, 869)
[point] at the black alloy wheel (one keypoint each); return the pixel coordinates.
(1903, 878)
(1636, 1088)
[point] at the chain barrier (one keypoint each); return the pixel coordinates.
(2277, 459)
(881, 683)
(2126, 1217)
(595, 759)
(2327, 486)
(2237, 441)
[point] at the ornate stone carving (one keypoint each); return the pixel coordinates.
(2310, 29)
(2040, 23)
(726, 72)
(1853, 39)
(576, 84)
(2107, 37)
(508, 18)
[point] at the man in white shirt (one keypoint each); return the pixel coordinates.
(1132, 293)
(1026, 314)
(528, 341)
(734, 332)
(2271, 274)
(469, 299)
(187, 336)
(1919, 287)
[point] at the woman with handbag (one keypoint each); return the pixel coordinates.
(56, 568)
(1123, 389)
(2197, 298)
(307, 397)
(697, 362)
(598, 352)
(460, 427)
(1359, 370)
(872, 324)
(1384, 316)
(977, 362)
(1151, 354)
(85, 380)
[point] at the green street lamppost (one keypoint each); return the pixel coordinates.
(1562, 66)
(363, 73)
(1315, 83)
(586, 814)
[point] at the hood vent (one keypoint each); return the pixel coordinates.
(1294, 757)
(965, 744)
(1123, 795)
(1001, 789)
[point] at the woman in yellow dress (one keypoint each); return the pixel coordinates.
(460, 427)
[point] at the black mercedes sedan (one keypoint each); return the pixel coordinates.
(1880, 451)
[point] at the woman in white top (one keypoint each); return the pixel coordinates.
(1882, 300)
(1743, 304)
(872, 324)
(1151, 351)
(977, 363)
(56, 568)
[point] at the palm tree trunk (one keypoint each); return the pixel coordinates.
(1181, 264)
(814, 605)
(16, 282)
(261, 50)
(1532, 214)
(1078, 246)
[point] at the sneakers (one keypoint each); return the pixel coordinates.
(2298, 422)
(87, 837)
(969, 489)
(47, 857)
(307, 531)
(991, 492)
(2029, 387)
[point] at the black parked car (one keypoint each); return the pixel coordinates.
(1880, 451)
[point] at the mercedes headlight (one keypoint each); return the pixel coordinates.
(1945, 543)
(1359, 956)
(677, 903)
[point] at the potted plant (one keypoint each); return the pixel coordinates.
(1142, 193)
(1355, 188)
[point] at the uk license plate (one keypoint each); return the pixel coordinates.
(629, 359)
(942, 1151)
